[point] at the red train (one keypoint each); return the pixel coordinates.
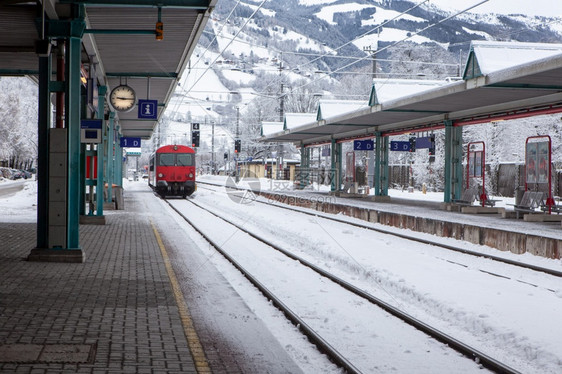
(171, 171)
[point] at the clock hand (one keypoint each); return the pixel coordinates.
(124, 98)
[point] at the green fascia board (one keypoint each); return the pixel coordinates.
(373, 100)
(191, 4)
(148, 74)
(66, 28)
(347, 124)
(472, 68)
(18, 72)
(526, 86)
(415, 111)
(120, 32)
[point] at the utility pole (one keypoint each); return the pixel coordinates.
(371, 154)
(373, 57)
(237, 138)
(213, 171)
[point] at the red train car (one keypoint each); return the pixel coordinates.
(171, 171)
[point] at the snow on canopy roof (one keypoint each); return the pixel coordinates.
(268, 128)
(331, 108)
(487, 57)
(391, 89)
(293, 120)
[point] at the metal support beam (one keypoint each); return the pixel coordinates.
(72, 119)
(118, 168)
(381, 165)
(44, 122)
(336, 166)
(102, 90)
(453, 162)
(110, 144)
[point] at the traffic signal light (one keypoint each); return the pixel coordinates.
(195, 139)
(237, 146)
(412, 144)
(432, 145)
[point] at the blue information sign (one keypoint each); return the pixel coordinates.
(400, 146)
(90, 124)
(423, 143)
(148, 109)
(130, 142)
(363, 145)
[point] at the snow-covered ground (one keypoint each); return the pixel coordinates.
(508, 315)
(511, 315)
(20, 206)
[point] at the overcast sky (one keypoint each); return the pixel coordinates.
(552, 8)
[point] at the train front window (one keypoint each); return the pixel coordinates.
(166, 159)
(185, 160)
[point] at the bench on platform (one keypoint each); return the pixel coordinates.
(469, 196)
(529, 203)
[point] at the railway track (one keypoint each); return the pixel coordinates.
(324, 346)
(552, 272)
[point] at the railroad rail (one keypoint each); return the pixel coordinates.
(337, 357)
(552, 272)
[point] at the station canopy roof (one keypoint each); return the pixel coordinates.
(119, 44)
(500, 80)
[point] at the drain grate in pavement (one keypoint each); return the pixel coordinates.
(47, 353)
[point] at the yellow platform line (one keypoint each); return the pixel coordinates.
(197, 352)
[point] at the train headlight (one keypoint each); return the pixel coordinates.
(160, 175)
(190, 175)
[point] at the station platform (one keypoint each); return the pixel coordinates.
(496, 229)
(140, 303)
(422, 214)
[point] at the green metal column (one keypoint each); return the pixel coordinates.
(118, 168)
(378, 163)
(110, 155)
(335, 182)
(384, 166)
(43, 125)
(72, 118)
(305, 166)
(381, 165)
(102, 90)
(457, 162)
(453, 162)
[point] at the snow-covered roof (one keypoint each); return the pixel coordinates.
(391, 89)
(331, 108)
(268, 128)
(293, 120)
(487, 57)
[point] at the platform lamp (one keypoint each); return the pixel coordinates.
(159, 26)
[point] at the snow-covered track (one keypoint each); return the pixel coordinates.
(314, 337)
(418, 239)
(459, 346)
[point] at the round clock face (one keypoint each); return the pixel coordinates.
(122, 98)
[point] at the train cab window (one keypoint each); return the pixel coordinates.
(185, 160)
(166, 159)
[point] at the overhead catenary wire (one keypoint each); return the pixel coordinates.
(397, 42)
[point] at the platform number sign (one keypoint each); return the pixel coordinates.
(400, 146)
(195, 135)
(363, 145)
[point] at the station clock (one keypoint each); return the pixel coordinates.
(123, 98)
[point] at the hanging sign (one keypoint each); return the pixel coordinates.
(363, 145)
(148, 109)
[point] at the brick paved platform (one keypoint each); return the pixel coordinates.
(146, 300)
(115, 313)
